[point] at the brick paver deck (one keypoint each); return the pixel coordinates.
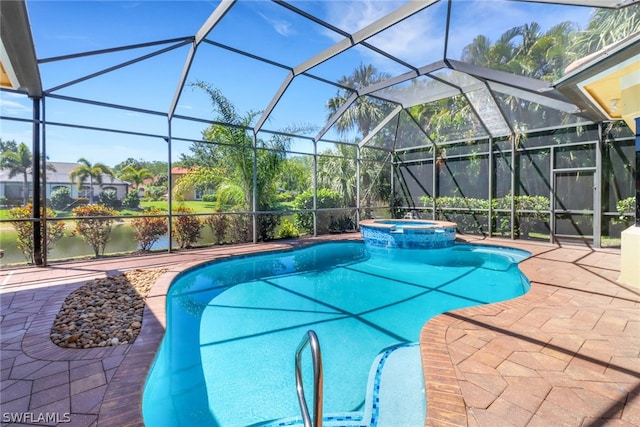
(565, 354)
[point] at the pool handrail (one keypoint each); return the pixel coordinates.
(312, 339)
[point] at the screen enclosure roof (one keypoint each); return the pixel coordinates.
(302, 66)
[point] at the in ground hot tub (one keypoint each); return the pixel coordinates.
(408, 233)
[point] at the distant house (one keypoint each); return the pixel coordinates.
(12, 188)
(176, 175)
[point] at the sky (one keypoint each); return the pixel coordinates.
(258, 27)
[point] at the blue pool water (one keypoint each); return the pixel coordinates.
(233, 326)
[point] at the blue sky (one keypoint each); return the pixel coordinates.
(259, 27)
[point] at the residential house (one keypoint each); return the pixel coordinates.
(12, 188)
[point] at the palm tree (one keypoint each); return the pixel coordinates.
(607, 26)
(337, 172)
(17, 158)
(366, 111)
(19, 163)
(93, 172)
(135, 176)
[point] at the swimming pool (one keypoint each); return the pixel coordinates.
(233, 326)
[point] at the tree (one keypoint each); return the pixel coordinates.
(19, 162)
(11, 145)
(92, 172)
(366, 111)
(17, 158)
(135, 175)
(606, 26)
(337, 172)
(295, 174)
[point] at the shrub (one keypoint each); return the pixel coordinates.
(240, 231)
(95, 231)
(109, 198)
(288, 230)
(626, 208)
(186, 227)
(156, 192)
(60, 198)
(131, 200)
(219, 225)
(341, 223)
(148, 230)
(24, 229)
(325, 199)
(209, 198)
(267, 224)
(526, 221)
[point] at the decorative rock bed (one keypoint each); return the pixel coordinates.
(104, 312)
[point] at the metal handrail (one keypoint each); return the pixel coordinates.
(312, 339)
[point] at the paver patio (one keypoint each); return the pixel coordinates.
(565, 354)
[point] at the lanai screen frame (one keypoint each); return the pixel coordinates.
(538, 90)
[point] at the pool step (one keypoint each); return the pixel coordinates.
(396, 388)
(395, 394)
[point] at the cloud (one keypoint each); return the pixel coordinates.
(419, 39)
(281, 26)
(415, 40)
(11, 104)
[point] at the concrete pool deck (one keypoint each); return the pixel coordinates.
(565, 354)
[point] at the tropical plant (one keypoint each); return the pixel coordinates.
(109, 198)
(96, 228)
(295, 174)
(366, 111)
(288, 230)
(131, 200)
(148, 229)
(18, 160)
(524, 50)
(219, 224)
(606, 26)
(325, 199)
(626, 208)
(186, 227)
(24, 229)
(92, 172)
(337, 172)
(156, 192)
(135, 176)
(19, 163)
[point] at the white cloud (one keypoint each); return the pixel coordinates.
(414, 40)
(281, 26)
(419, 40)
(14, 104)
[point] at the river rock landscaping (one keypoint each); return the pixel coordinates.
(104, 312)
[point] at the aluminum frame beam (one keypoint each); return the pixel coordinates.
(223, 7)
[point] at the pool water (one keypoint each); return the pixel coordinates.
(227, 358)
